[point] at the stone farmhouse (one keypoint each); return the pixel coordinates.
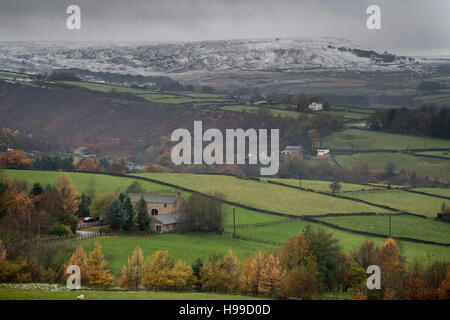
(165, 211)
(290, 150)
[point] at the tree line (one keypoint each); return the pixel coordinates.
(426, 121)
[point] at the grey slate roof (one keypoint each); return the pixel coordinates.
(169, 218)
(153, 198)
(293, 148)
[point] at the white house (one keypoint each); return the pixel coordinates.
(323, 152)
(315, 106)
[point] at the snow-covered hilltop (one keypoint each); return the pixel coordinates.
(224, 56)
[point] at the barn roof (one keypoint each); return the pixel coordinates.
(153, 198)
(169, 218)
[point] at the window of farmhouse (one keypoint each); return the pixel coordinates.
(154, 212)
(165, 205)
(158, 228)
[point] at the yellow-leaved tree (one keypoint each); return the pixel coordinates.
(133, 272)
(98, 274)
(68, 193)
(221, 274)
(162, 273)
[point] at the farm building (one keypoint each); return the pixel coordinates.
(315, 106)
(165, 211)
(290, 150)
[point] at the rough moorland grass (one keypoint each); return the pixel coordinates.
(263, 195)
(319, 185)
(445, 192)
(424, 166)
(401, 226)
(365, 139)
(186, 247)
(39, 294)
(402, 200)
(103, 183)
(348, 241)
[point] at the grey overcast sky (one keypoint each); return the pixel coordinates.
(408, 26)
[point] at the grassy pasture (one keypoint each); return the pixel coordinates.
(103, 183)
(41, 294)
(264, 196)
(445, 192)
(444, 154)
(348, 241)
(401, 226)
(424, 166)
(365, 139)
(105, 87)
(254, 109)
(12, 75)
(318, 185)
(402, 200)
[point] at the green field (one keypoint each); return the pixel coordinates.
(245, 216)
(401, 226)
(263, 195)
(431, 167)
(440, 98)
(318, 185)
(445, 192)
(364, 139)
(348, 241)
(103, 183)
(7, 293)
(348, 115)
(155, 96)
(105, 87)
(186, 247)
(11, 76)
(444, 154)
(402, 200)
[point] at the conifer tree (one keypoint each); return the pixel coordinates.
(142, 215)
(133, 272)
(98, 274)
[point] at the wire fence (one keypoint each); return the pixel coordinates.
(260, 224)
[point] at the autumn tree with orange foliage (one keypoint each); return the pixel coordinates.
(18, 213)
(15, 159)
(68, 193)
(271, 276)
(98, 274)
(444, 288)
(79, 258)
(117, 168)
(300, 266)
(88, 165)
